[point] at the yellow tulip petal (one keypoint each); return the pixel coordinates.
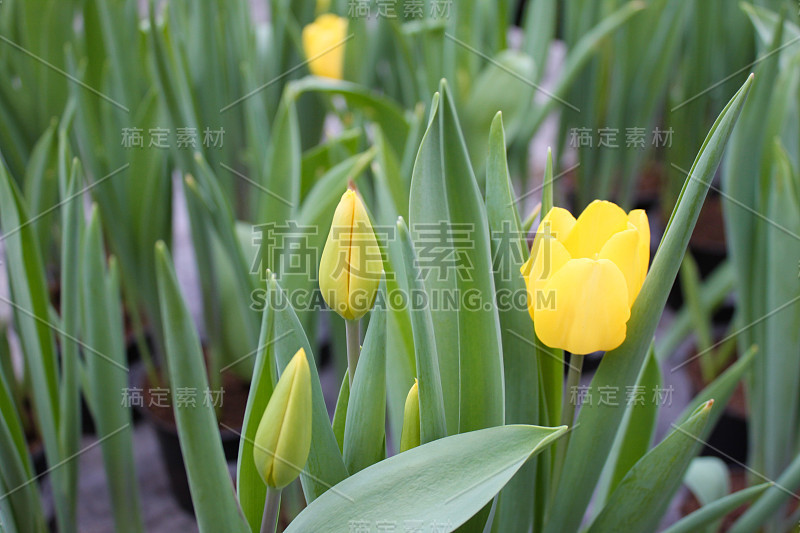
(323, 45)
(294, 441)
(558, 223)
(365, 262)
(547, 258)
(638, 218)
(334, 279)
(283, 438)
(351, 264)
(622, 249)
(589, 308)
(598, 222)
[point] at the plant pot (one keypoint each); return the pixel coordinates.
(162, 420)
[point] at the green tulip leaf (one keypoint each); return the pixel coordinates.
(210, 485)
(108, 375)
(509, 248)
(433, 424)
(444, 203)
(643, 495)
(365, 427)
(712, 512)
(439, 484)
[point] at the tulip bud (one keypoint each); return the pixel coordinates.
(323, 44)
(283, 438)
(409, 438)
(584, 275)
(351, 265)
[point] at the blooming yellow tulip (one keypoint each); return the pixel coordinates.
(283, 437)
(584, 275)
(323, 44)
(351, 265)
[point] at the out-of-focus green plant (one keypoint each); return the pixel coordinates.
(762, 221)
(630, 80)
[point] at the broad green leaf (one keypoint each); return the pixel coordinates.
(708, 514)
(214, 501)
(444, 204)
(108, 375)
(514, 509)
(593, 436)
(643, 495)
(365, 426)
(431, 403)
(441, 483)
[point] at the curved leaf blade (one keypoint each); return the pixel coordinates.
(443, 482)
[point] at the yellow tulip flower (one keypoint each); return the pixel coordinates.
(351, 265)
(283, 437)
(584, 275)
(323, 44)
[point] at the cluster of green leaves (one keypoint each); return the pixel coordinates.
(490, 393)
(477, 381)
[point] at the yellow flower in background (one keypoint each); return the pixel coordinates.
(351, 265)
(323, 44)
(283, 437)
(584, 275)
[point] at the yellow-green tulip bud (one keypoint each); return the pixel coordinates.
(409, 438)
(584, 275)
(351, 265)
(323, 44)
(283, 438)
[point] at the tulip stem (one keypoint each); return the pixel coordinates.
(567, 414)
(269, 522)
(353, 329)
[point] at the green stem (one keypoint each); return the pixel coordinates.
(269, 522)
(353, 329)
(567, 414)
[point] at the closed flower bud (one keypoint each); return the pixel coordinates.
(409, 438)
(283, 438)
(351, 265)
(584, 275)
(323, 44)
